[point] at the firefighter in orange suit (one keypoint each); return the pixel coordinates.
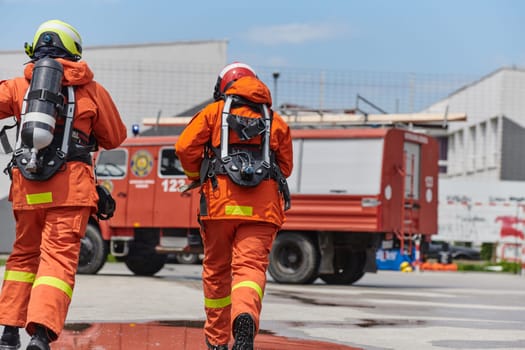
(52, 207)
(240, 151)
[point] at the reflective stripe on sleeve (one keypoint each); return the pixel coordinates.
(54, 282)
(217, 303)
(39, 198)
(240, 210)
(19, 276)
(250, 284)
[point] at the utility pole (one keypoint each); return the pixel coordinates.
(275, 77)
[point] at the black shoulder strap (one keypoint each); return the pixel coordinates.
(241, 101)
(4, 139)
(263, 129)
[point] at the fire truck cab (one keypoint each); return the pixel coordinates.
(145, 179)
(354, 190)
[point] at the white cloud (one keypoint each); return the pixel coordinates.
(294, 33)
(39, 2)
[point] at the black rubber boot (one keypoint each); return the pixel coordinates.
(214, 347)
(243, 332)
(10, 338)
(39, 340)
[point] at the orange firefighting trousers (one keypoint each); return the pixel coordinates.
(236, 256)
(40, 272)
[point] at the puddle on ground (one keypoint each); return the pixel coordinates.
(367, 323)
(313, 301)
(165, 335)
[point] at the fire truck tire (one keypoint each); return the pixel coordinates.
(294, 259)
(142, 259)
(351, 270)
(93, 251)
(187, 258)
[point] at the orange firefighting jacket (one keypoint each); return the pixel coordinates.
(228, 200)
(95, 112)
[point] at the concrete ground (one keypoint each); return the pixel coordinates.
(115, 310)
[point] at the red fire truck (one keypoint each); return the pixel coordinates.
(354, 190)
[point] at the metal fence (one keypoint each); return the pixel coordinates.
(178, 87)
(142, 88)
(338, 90)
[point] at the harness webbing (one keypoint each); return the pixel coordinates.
(245, 164)
(68, 144)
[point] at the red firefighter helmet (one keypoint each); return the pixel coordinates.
(229, 74)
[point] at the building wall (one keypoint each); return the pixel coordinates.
(512, 151)
(499, 93)
(475, 150)
(493, 149)
(7, 223)
(147, 79)
(488, 144)
(512, 95)
(480, 101)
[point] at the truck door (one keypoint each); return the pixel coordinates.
(112, 172)
(142, 182)
(172, 208)
(410, 216)
(413, 170)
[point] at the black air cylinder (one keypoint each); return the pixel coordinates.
(43, 102)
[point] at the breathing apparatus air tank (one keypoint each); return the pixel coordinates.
(44, 101)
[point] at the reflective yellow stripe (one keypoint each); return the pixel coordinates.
(239, 210)
(19, 276)
(250, 284)
(191, 173)
(56, 283)
(39, 198)
(217, 303)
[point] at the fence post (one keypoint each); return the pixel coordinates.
(417, 257)
(523, 259)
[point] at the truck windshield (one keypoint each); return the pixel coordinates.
(111, 163)
(169, 163)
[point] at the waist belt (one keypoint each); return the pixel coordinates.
(232, 167)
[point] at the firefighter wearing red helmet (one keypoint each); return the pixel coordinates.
(247, 151)
(63, 114)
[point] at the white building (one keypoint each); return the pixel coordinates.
(483, 188)
(148, 78)
(490, 144)
(145, 80)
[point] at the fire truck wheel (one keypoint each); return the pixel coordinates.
(187, 258)
(142, 259)
(93, 251)
(294, 259)
(348, 270)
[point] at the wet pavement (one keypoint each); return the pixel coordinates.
(385, 311)
(165, 335)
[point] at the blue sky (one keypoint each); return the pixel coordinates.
(421, 36)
